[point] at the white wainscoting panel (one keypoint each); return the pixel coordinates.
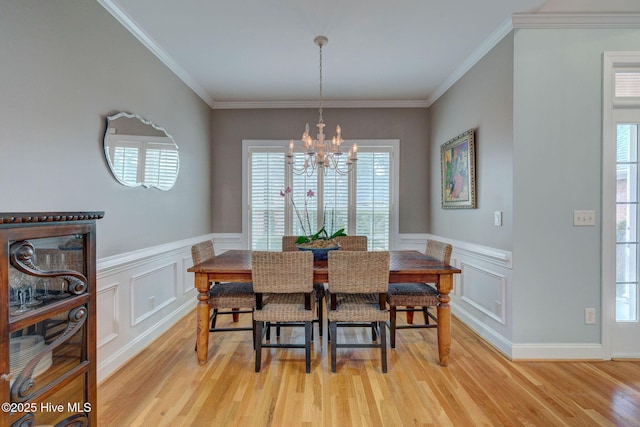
(152, 290)
(188, 279)
(108, 314)
(141, 294)
(485, 290)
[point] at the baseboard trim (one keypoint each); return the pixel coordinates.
(496, 340)
(558, 351)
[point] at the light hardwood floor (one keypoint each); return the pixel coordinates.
(165, 386)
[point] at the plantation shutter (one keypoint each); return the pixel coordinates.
(266, 206)
(373, 197)
(300, 186)
(125, 161)
(336, 202)
(161, 165)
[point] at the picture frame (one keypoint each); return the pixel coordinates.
(458, 172)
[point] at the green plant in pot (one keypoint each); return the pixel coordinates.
(322, 238)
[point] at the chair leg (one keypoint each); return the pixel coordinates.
(333, 330)
(258, 344)
(319, 302)
(254, 332)
(383, 347)
(410, 315)
(236, 316)
(268, 327)
(392, 321)
(308, 327)
(214, 317)
(425, 313)
(374, 335)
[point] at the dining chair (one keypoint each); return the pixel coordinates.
(417, 297)
(289, 244)
(283, 285)
(225, 296)
(352, 243)
(358, 284)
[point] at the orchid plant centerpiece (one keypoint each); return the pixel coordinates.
(320, 239)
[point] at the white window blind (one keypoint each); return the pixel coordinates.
(161, 165)
(300, 186)
(267, 207)
(627, 84)
(336, 203)
(373, 205)
(125, 162)
(360, 202)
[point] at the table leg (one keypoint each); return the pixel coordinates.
(202, 313)
(445, 286)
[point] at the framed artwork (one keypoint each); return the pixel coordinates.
(457, 163)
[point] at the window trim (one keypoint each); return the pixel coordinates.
(393, 144)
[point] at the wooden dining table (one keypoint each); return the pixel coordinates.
(404, 266)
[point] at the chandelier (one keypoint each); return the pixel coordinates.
(322, 154)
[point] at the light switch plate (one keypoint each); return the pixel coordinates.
(584, 218)
(497, 218)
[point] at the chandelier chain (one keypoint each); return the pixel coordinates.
(321, 121)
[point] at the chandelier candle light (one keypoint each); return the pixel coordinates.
(319, 153)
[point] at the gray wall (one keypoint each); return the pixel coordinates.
(66, 65)
(557, 166)
(482, 99)
(409, 125)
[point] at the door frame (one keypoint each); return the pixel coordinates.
(611, 62)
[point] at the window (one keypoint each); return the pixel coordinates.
(627, 222)
(362, 202)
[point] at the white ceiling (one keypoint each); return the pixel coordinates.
(260, 52)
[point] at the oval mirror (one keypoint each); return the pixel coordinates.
(140, 153)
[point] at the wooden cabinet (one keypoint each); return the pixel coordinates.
(48, 311)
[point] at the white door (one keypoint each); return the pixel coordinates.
(621, 207)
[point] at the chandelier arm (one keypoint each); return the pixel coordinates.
(350, 167)
(297, 170)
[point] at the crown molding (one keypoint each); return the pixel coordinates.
(517, 21)
(576, 20)
(236, 105)
(472, 60)
(150, 44)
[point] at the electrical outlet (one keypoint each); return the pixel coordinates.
(590, 316)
